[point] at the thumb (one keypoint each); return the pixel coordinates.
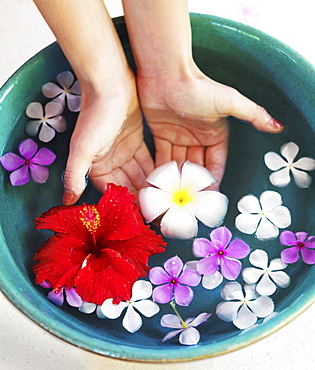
(246, 110)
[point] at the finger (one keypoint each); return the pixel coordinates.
(163, 151)
(179, 153)
(215, 161)
(134, 173)
(144, 159)
(245, 109)
(196, 154)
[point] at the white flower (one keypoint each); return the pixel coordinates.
(132, 321)
(88, 308)
(69, 91)
(264, 216)
(243, 310)
(281, 177)
(178, 196)
(45, 124)
(188, 334)
(208, 281)
(269, 277)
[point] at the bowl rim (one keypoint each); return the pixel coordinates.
(143, 354)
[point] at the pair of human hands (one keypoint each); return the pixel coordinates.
(186, 116)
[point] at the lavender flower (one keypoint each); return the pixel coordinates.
(298, 243)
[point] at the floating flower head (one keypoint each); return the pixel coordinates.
(218, 251)
(180, 198)
(283, 167)
(175, 282)
(45, 124)
(101, 250)
(264, 216)
(68, 91)
(31, 164)
(243, 310)
(141, 291)
(267, 277)
(298, 243)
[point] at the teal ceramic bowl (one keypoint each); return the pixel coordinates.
(260, 67)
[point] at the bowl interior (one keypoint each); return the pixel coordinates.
(258, 66)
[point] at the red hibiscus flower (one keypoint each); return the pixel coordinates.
(101, 250)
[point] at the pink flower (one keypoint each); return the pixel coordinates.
(218, 252)
(298, 243)
(31, 165)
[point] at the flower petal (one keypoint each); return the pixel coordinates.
(289, 151)
(46, 133)
(262, 306)
(174, 266)
(265, 287)
(111, 310)
(183, 294)
(250, 292)
(227, 311)
(269, 200)
(245, 318)
(274, 162)
(171, 334)
(247, 223)
(171, 321)
(230, 268)
(39, 174)
(212, 281)
(147, 307)
(65, 79)
(58, 123)
(308, 255)
(74, 102)
(28, 148)
(208, 265)
(132, 320)
(179, 222)
(266, 230)
(53, 109)
(288, 238)
(305, 163)
(259, 258)
(44, 157)
(221, 237)
(32, 127)
(159, 276)
(290, 255)
(189, 337)
(51, 90)
(210, 207)
(192, 171)
(56, 298)
(87, 307)
(249, 204)
(75, 88)
(73, 298)
(251, 275)
(302, 179)
(280, 216)
(20, 177)
(277, 264)
(202, 247)
(154, 202)
(141, 289)
(281, 279)
(163, 293)
(281, 178)
(301, 237)
(99, 312)
(200, 319)
(237, 249)
(189, 277)
(166, 177)
(35, 110)
(11, 161)
(232, 290)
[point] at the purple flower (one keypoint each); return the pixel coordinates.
(172, 277)
(30, 165)
(298, 243)
(72, 296)
(218, 251)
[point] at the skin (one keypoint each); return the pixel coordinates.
(185, 110)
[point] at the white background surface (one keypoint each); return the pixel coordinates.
(26, 346)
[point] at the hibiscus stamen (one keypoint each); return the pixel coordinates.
(91, 218)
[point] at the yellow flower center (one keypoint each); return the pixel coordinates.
(182, 197)
(91, 219)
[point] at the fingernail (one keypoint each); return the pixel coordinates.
(68, 198)
(276, 125)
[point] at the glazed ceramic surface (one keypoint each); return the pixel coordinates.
(258, 66)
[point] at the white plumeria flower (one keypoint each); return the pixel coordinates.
(281, 177)
(45, 124)
(68, 92)
(141, 291)
(264, 216)
(178, 196)
(243, 310)
(208, 281)
(268, 277)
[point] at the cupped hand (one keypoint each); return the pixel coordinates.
(108, 140)
(187, 117)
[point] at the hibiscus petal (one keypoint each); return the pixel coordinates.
(111, 310)
(39, 174)
(266, 230)
(269, 200)
(210, 207)
(147, 307)
(141, 289)
(290, 255)
(44, 157)
(11, 161)
(262, 306)
(73, 298)
(189, 277)
(20, 176)
(308, 255)
(305, 163)
(190, 172)
(74, 102)
(159, 276)
(208, 265)
(179, 222)
(249, 204)
(154, 202)
(28, 148)
(221, 237)
(35, 110)
(247, 223)
(281, 279)
(232, 290)
(183, 294)
(189, 337)
(259, 258)
(281, 178)
(65, 79)
(56, 298)
(87, 307)
(46, 133)
(32, 127)
(251, 275)
(166, 177)
(280, 216)
(237, 249)
(245, 318)
(230, 268)
(274, 162)
(132, 320)
(200, 319)
(289, 151)
(212, 281)
(51, 90)
(171, 321)
(288, 238)
(302, 179)
(227, 311)
(265, 287)
(163, 293)
(202, 247)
